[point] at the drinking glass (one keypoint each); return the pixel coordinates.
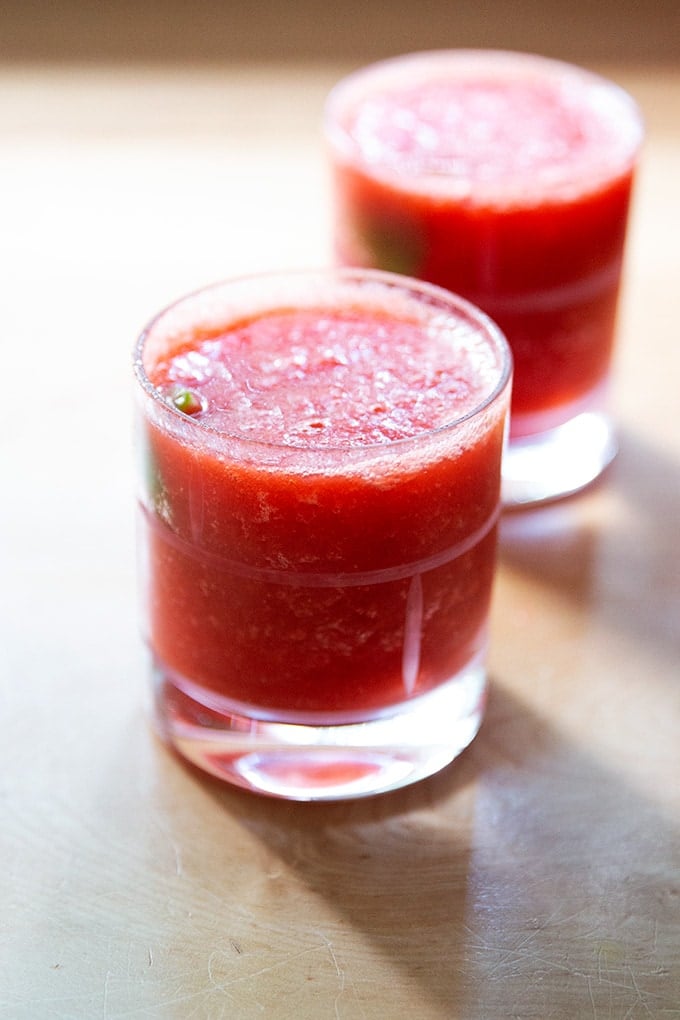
(316, 586)
(506, 178)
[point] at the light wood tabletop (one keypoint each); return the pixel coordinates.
(539, 875)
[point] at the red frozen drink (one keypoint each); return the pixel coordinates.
(321, 487)
(506, 178)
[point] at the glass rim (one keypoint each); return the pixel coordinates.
(349, 89)
(439, 298)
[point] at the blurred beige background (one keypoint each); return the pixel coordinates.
(597, 31)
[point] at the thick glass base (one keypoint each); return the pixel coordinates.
(558, 462)
(308, 761)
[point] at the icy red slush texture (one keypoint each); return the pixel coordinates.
(507, 179)
(320, 538)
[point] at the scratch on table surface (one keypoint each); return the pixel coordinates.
(338, 971)
(239, 979)
(224, 984)
(612, 982)
(506, 953)
(341, 976)
(108, 977)
(177, 855)
(174, 845)
(198, 998)
(521, 950)
(605, 953)
(641, 998)
(592, 998)
(86, 998)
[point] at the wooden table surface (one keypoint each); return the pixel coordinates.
(539, 876)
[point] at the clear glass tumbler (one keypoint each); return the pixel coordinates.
(506, 178)
(320, 459)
